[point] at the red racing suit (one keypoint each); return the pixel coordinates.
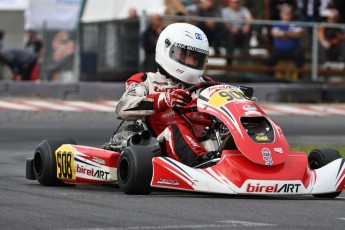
(174, 133)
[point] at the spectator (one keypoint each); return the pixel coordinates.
(275, 6)
(132, 13)
(34, 45)
(340, 6)
(212, 29)
(149, 40)
(174, 7)
(20, 61)
(286, 40)
(310, 9)
(238, 33)
(191, 5)
(331, 40)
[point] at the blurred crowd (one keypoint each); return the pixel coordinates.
(23, 62)
(283, 39)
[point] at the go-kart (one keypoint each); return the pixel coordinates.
(253, 156)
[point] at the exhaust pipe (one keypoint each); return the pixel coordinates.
(139, 138)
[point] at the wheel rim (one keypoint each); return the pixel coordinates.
(124, 170)
(38, 163)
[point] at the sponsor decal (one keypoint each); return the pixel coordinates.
(63, 46)
(198, 36)
(278, 150)
(218, 87)
(276, 188)
(192, 141)
(261, 138)
(191, 48)
(132, 89)
(168, 182)
(163, 88)
(100, 174)
(98, 160)
(249, 108)
(266, 153)
(252, 112)
(169, 114)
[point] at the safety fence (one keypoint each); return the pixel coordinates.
(111, 51)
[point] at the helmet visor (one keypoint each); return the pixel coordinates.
(189, 56)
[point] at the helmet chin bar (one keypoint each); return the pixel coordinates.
(162, 71)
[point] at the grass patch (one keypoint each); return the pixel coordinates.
(308, 149)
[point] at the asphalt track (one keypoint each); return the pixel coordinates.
(25, 204)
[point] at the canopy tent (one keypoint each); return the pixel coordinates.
(118, 9)
(52, 14)
(17, 5)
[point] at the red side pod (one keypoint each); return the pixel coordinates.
(167, 174)
(92, 153)
(89, 165)
(237, 169)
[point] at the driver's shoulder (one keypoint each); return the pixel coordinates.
(136, 78)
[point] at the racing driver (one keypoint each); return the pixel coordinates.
(181, 57)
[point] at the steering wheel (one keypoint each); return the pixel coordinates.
(192, 89)
(247, 91)
(200, 85)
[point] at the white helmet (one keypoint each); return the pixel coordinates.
(182, 51)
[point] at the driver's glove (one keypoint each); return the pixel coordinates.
(175, 98)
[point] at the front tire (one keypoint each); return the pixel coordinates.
(134, 170)
(319, 158)
(45, 162)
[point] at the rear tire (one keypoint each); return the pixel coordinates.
(134, 170)
(319, 158)
(45, 162)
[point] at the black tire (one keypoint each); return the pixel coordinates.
(319, 158)
(45, 162)
(134, 170)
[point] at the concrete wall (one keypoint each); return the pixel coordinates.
(265, 92)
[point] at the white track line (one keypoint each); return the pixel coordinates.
(290, 109)
(92, 106)
(50, 105)
(222, 224)
(109, 106)
(111, 103)
(336, 110)
(270, 109)
(14, 106)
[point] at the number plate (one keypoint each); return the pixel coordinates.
(224, 96)
(65, 163)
